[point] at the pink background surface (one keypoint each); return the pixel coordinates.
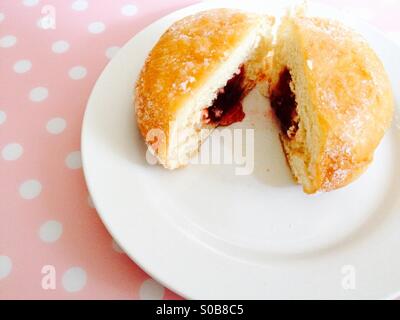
(46, 216)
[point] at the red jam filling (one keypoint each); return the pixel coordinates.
(227, 107)
(283, 102)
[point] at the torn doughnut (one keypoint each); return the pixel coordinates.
(333, 100)
(196, 77)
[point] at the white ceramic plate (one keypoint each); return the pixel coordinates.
(205, 232)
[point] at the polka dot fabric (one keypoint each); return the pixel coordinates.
(47, 218)
(51, 53)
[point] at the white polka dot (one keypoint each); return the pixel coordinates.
(90, 201)
(151, 290)
(8, 41)
(77, 73)
(56, 125)
(22, 66)
(38, 94)
(30, 189)
(80, 5)
(12, 151)
(129, 10)
(96, 27)
(30, 3)
(111, 52)
(5, 266)
(73, 160)
(74, 279)
(2, 16)
(3, 117)
(50, 231)
(116, 247)
(60, 46)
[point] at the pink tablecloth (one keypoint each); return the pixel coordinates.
(52, 243)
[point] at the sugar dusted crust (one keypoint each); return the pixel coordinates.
(349, 98)
(186, 55)
(343, 95)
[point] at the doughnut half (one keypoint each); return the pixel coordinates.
(194, 78)
(333, 99)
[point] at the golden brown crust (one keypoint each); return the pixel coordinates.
(350, 96)
(182, 60)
